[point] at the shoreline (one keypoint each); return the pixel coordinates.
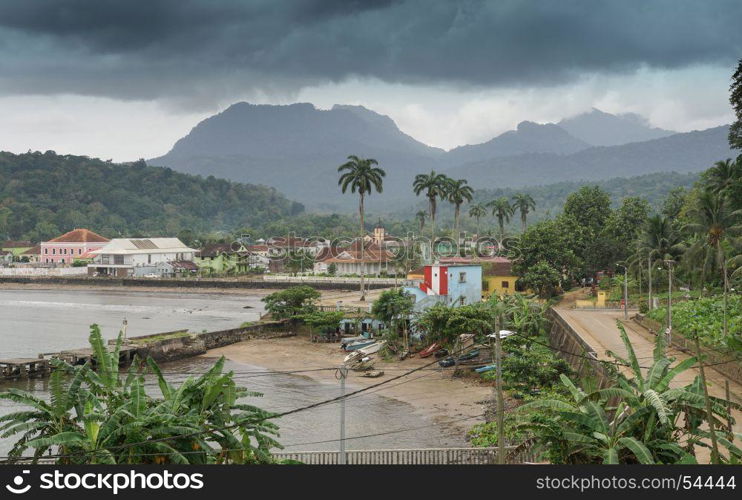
(452, 404)
(329, 297)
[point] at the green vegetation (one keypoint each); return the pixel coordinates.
(640, 419)
(104, 417)
(705, 317)
(44, 194)
(292, 303)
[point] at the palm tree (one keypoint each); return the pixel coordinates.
(523, 203)
(723, 175)
(714, 223)
(501, 209)
(435, 187)
(421, 215)
(658, 241)
(458, 193)
(361, 176)
(478, 211)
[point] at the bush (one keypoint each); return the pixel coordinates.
(705, 316)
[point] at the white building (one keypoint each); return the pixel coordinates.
(123, 257)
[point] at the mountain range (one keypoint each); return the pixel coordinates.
(297, 148)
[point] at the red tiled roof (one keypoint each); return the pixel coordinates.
(79, 236)
(33, 251)
(16, 244)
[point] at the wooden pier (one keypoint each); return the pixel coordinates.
(17, 368)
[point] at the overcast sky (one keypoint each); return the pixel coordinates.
(125, 79)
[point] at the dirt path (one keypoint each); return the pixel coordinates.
(599, 330)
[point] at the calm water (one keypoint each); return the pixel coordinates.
(35, 321)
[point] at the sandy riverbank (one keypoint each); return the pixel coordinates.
(453, 403)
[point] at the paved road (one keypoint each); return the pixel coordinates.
(599, 330)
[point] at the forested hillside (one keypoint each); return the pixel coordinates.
(45, 194)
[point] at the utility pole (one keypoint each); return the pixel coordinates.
(649, 271)
(499, 395)
(342, 373)
(625, 291)
(709, 414)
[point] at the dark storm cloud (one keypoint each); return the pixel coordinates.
(208, 49)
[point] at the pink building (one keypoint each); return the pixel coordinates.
(70, 246)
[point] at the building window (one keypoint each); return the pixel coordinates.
(506, 284)
(462, 277)
(485, 286)
(462, 300)
(79, 251)
(54, 251)
(149, 258)
(46, 252)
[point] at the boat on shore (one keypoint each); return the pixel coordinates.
(450, 361)
(485, 368)
(358, 344)
(432, 348)
(373, 374)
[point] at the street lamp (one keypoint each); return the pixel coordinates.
(669, 263)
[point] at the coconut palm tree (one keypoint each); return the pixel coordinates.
(421, 215)
(362, 177)
(458, 193)
(435, 187)
(478, 211)
(723, 175)
(501, 209)
(523, 203)
(715, 225)
(658, 241)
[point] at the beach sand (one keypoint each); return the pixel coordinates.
(456, 404)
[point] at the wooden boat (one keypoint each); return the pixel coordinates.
(429, 350)
(350, 340)
(449, 361)
(485, 368)
(373, 374)
(441, 353)
(373, 348)
(359, 344)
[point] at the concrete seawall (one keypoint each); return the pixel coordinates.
(162, 347)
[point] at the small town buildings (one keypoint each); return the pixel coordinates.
(219, 258)
(16, 248)
(449, 284)
(65, 249)
(32, 255)
(497, 273)
(5, 258)
(372, 259)
(138, 257)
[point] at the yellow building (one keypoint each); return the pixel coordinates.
(498, 278)
(497, 274)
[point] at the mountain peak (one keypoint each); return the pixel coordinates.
(599, 128)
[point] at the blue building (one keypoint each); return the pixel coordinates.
(449, 284)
